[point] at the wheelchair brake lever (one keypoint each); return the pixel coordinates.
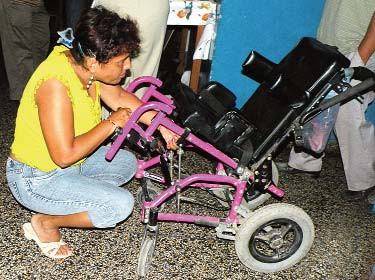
(157, 145)
(183, 136)
(118, 131)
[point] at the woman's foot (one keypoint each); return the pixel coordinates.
(43, 232)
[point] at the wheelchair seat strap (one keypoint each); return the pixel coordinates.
(248, 150)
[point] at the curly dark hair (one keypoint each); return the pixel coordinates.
(104, 34)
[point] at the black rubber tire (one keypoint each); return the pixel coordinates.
(264, 221)
(153, 190)
(145, 255)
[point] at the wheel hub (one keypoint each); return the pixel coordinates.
(277, 242)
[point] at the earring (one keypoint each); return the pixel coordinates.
(89, 83)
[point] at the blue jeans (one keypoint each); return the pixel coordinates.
(93, 186)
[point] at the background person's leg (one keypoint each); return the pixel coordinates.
(73, 9)
(152, 22)
(40, 34)
(16, 24)
(356, 139)
(304, 161)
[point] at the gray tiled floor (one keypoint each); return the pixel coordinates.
(343, 249)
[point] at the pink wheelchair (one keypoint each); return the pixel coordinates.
(241, 143)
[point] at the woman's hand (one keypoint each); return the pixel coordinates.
(120, 117)
(169, 137)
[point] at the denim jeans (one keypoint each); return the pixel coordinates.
(93, 186)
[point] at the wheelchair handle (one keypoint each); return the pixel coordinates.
(152, 90)
(141, 80)
(349, 94)
(361, 73)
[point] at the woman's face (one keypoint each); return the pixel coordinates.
(114, 70)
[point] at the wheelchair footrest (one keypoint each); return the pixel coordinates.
(276, 191)
(225, 231)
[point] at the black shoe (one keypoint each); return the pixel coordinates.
(283, 167)
(351, 196)
(368, 195)
(371, 195)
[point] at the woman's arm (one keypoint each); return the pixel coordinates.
(115, 97)
(57, 123)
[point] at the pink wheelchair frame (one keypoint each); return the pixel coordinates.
(150, 215)
(272, 237)
(164, 108)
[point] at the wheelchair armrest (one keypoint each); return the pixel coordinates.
(215, 100)
(361, 73)
(257, 67)
(212, 103)
(222, 94)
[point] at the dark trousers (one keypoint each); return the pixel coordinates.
(24, 32)
(73, 9)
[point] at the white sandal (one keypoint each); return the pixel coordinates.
(49, 249)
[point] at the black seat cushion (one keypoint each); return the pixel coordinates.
(231, 132)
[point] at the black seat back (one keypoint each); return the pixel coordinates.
(285, 91)
(289, 88)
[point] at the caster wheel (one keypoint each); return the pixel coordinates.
(147, 251)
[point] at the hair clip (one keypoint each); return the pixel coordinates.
(66, 37)
(80, 50)
(91, 54)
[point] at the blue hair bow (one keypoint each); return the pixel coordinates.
(66, 37)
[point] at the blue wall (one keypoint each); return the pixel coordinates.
(271, 27)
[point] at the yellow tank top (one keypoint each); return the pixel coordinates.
(29, 146)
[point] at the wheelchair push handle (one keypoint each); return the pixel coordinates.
(349, 94)
(361, 73)
(358, 73)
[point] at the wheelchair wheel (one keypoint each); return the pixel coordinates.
(153, 191)
(146, 252)
(274, 237)
(250, 201)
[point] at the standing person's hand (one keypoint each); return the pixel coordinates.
(367, 46)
